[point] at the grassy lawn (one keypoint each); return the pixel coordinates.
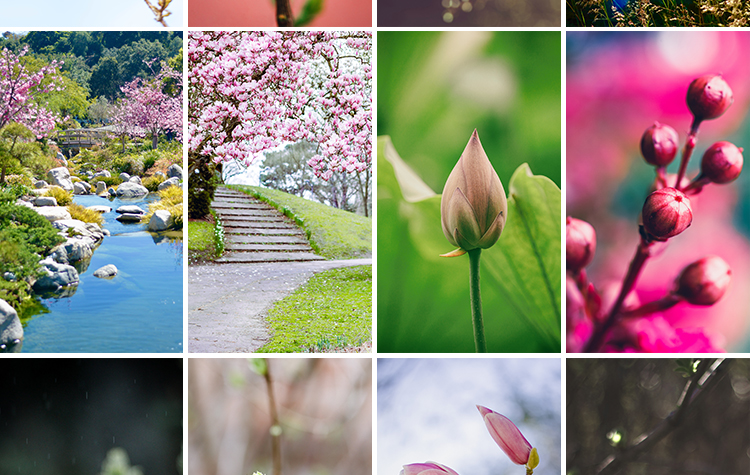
(200, 241)
(333, 233)
(333, 310)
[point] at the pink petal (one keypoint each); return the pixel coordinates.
(507, 436)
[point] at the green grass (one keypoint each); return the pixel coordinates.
(331, 311)
(660, 13)
(200, 241)
(333, 233)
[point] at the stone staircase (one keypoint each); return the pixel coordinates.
(256, 232)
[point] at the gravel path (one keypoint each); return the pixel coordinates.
(227, 303)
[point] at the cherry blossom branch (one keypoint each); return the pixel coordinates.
(160, 10)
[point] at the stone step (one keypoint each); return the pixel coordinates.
(247, 212)
(251, 257)
(268, 247)
(239, 225)
(259, 239)
(291, 231)
(239, 205)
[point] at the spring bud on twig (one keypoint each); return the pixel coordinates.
(666, 213)
(580, 244)
(509, 438)
(704, 281)
(659, 144)
(722, 162)
(709, 97)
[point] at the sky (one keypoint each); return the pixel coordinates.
(87, 13)
(427, 412)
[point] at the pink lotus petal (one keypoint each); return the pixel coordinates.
(506, 435)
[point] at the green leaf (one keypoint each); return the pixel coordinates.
(423, 299)
(258, 365)
(309, 11)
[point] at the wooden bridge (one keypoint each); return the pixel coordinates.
(76, 139)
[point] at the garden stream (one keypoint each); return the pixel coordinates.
(139, 310)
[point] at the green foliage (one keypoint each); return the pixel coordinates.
(658, 13)
(64, 198)
(423, 299)
(258, 365)
(333, 306)
(170, 200)
(37, 232)
(152, 182)
(84, 214)
(106, 79)
(11, 192)
(200, 241)
(21, 260)
(110, 181)
(201, 186)
(333, 233)
(309, 11)
(150, 157)
(130, 164)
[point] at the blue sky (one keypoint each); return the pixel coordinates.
(59, 14)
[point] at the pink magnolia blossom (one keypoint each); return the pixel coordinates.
(21, 89)
(250, 91)
(507, 436)
(428, 468)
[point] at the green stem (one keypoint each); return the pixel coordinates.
(476, 300)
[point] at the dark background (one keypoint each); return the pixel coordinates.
(61, 416)
(633, 396)
(485, 13)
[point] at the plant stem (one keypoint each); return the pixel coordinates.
(284, 13)
(476, 300)
(642, 253)
(275, 427)
(687, 152)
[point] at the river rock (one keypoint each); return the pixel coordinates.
(9, 276)
(79, 189)
(124, 176)
(161, 220)
(106, 272)
(129, 218)
(45, 201)
(102, 174)
(174, 181)
(100, 209)
(56, 276)
(131, 190)
(135, 179)
(11, 331)
(111, 191)
(40, 184)
(20, 202)
(62, 159)
(53, 213)
(130, 209)
(61, 177)
(174, 171)
(82, 239)
(101, 187)
(161, 174)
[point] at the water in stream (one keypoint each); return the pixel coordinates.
(139, 310)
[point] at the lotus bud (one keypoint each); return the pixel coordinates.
(428, 468)
(722, 162)
(704, 281)
(709, 97)
(659, 144)
(473, 207)
(666, 213)
(509, 438)
(580, 244)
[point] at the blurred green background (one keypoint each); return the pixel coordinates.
(434, 89)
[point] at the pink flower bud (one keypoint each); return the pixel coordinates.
(580, 244)
(704, 281)
(709, 97)
(722, 162)
(507, 436)
(666, 213)
(659, 144)
(428, 468)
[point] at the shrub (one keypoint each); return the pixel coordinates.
(84, 214)
(149, 158)
(10, 193)
(201, 187)
(63, 197)
(23, 179)
(109, 181)
(171, 200)
(130, 164)
(152, 183)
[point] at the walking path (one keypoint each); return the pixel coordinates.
(256, 232)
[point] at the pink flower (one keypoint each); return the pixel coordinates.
(506, 435)
(427, 468)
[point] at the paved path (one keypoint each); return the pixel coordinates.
(227, 303)
(256, 232)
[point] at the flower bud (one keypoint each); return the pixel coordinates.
(507, 436)
(659, 144)
(580, 244)
(722, 162)
(473, 206)
(428, 468)
(709, 97)
(704, 281)
(666, 213)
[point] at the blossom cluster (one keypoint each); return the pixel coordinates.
(252, 91)
(20, 89)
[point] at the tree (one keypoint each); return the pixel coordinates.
(20, 90)
(251, 91)
(147, 109)
(12, 140)
(105, 78)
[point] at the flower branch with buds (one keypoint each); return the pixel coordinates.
(666, 213)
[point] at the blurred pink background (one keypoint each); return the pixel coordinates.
(261, 13)
(618, 84)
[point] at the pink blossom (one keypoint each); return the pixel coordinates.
(506, 435)
(428, 468)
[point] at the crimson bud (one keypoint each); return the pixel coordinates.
(580, 243)
(659, 144)
(709, 97)
(704, 281)
(722, 162)
(666, 213)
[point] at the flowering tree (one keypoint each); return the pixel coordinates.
(251, 91)
(147, 109)
(19, 90)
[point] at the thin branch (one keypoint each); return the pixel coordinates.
(275, 427)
